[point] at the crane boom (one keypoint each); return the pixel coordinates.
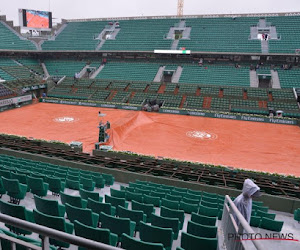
(180, 7)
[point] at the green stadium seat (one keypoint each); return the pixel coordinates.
(148, 209)
(14, 189)
(50, 207)
(148, 199)
(165, 222)
(85, 194)
(255, 221)
(271, 224)
(37, 186)
(73, 200)
(117, 225)
(21, 177)
(117, 193)
(97, 234)
(2, 189)
(172, 213)
(208, 211)
(265, 215)
(99, 207)
(170, 203)
(109, 179)
(131, 243)
(19, 212)
(203, 220)
(114, 201)
(87, 184)
(188, 207)
(55, 185)
(191, 242)
(154, 234)
(83, 215)
(72, 184)
(54, 222)
(134, 196)
(202, 230)
(297, 215)
(134, 215)
(99, 181)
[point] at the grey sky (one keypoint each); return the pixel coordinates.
(71, 9)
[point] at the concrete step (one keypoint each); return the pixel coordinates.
(93, 76)
(159, 74)
(254, 82)
(177, 74)
(275, 80)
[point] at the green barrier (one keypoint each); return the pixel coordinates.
(231, 116)
(91, 104)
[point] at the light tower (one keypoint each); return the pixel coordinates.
(180, 7)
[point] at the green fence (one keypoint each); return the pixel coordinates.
(231, 116)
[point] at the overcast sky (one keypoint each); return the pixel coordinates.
(73, 9)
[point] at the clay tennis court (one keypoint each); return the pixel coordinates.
(241, 144)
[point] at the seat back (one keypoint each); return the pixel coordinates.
(134, 196)
(35, 184)
(98, 207)
(13, 210)
(270, 224)
(96, 234)
(117, 193)
(114, 201)
(72, 200)
(85, 194)
(21, 177)
(169, 203)
(88, 184)
(148, 199)
(165, 222)
(55, 184)
(54, 222)
(133, 215)
(172, 213)
(208, 211)
(203, 220)
(131, 243)
(11, 185)
(202, 230)
(154, 234)
(191, 242)
(188, 207)
(83, 215)
(115, 225)
(148, 209)
(47, 206)
(72, 184)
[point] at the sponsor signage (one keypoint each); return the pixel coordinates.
(182, 112)
(15, 100)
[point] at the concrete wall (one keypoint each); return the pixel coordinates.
(273, 202)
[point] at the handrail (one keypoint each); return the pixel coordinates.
(243, 226)
(54, 234)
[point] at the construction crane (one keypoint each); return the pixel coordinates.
(180, 7)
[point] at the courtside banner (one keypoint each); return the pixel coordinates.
(15, 100)
(231, 116)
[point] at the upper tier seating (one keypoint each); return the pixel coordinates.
(221, 35)
(215, 74)
(288, 33)
(76, 36)
(129, 71)
(10, 41)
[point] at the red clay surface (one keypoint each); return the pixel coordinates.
(248, 145)
(36, 21)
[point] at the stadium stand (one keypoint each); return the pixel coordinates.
(10, 41)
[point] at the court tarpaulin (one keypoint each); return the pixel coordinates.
(241, 144)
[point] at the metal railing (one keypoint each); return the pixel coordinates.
(47, 233)
(235, 233)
